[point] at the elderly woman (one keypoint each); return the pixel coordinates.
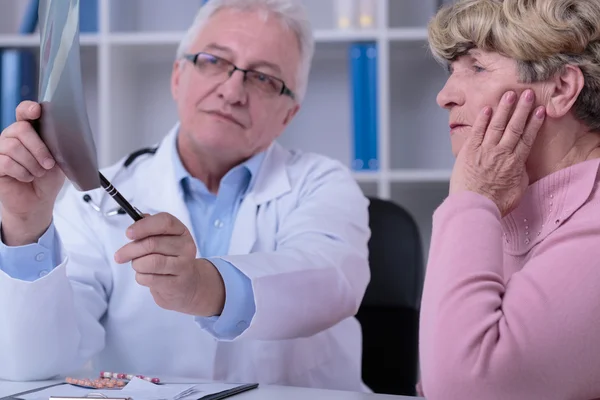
(511, 303)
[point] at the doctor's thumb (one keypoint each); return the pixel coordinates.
(28, 111)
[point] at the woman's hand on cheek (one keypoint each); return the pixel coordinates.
(492, 161)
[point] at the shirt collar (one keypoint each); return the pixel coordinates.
(246, 178)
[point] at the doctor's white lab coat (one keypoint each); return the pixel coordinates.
(300, 236)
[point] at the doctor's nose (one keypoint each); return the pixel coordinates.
(233, 89)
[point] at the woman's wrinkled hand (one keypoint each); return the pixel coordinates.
(493, 160)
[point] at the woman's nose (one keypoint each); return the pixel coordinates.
(450, 95)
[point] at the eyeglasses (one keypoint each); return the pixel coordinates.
(215, 67)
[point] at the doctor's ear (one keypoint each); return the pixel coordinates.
(175, 77)
(291, 113)
(563, 90)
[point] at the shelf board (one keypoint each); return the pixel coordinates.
(160, 38)
(420, 175)
(145, 38)
(407, 34)
(173, 38)
(33, 40)
(407, 175)
(366, 177)
(339, 35)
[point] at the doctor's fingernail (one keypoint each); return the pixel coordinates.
(118, 258)
(48, 163)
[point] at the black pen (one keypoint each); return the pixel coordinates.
(125, 205)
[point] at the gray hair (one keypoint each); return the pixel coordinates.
(292, 15)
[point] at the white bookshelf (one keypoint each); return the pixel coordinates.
(127, 66)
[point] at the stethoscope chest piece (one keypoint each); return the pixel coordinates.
(110, 213)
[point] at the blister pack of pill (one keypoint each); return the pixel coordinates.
(98, 383)
(108, 380)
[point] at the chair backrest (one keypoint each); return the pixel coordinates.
(389, 313)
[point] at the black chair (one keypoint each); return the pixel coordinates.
(389, 313)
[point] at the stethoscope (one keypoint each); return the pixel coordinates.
(111, 190)
(110, 213)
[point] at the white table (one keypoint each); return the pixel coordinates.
(263, 392)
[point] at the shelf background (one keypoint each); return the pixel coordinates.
(127, 65)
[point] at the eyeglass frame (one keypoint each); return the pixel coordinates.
(285, 90)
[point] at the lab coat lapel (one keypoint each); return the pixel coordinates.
(244, 230)
(156, 188)
(272, 181)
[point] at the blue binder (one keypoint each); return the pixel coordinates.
(88, 16)
(19, 70)
(357, 68)
(371, 109)
(364, 105)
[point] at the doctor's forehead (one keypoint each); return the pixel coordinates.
(249, 35)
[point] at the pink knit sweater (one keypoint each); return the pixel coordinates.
(511, 307)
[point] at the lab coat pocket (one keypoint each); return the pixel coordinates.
(284, 361)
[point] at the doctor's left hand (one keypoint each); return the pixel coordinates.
(163, 255)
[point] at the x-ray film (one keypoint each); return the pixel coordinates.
(64, 125)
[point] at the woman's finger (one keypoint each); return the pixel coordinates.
(523, 147)
(500, 120)
(479, 126)
(518, 121)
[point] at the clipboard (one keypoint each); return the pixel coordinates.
(16, 395)
(88, 397)
(214, 396)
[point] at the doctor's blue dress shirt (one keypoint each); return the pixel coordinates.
(212, 216)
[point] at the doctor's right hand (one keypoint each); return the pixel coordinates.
(30, 179)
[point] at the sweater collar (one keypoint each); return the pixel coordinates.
(547, 204)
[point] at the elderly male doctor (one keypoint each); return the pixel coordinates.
(251, 260)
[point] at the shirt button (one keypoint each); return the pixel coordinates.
(43, 273)
(40, 257)
(242, 325)
(218, 223)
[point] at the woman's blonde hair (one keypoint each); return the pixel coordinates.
(541, 35)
